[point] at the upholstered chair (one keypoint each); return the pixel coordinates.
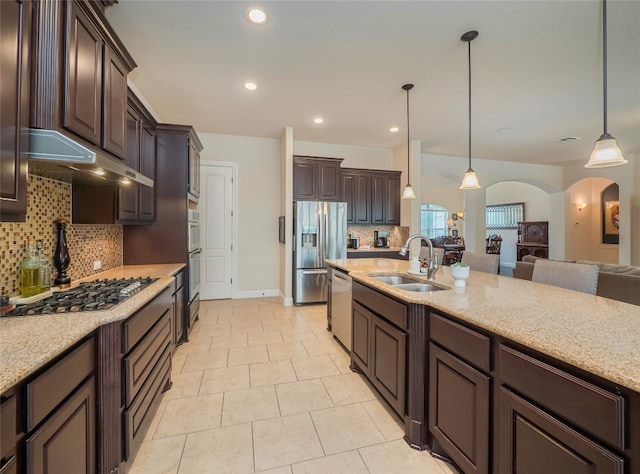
(481, 262)
(572, 276)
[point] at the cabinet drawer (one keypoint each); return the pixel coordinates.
(139, 324)
(49, 389)
(390, 309)
(138, 364)
(7, 427)
(136, 415)
(473, 347)
(581, 403)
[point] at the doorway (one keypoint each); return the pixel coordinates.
(216, 216)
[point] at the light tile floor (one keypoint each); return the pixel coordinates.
(265, 388)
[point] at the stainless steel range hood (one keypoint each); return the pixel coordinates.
(57, 156)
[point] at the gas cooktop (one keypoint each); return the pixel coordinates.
(89, 296)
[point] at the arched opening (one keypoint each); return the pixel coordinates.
(536, 208)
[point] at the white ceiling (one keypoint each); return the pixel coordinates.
(536, 69)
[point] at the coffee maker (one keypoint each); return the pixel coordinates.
(381, 238)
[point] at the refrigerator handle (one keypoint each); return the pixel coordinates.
(326, 237)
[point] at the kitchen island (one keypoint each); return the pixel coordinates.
(464, 367)
(77, 387)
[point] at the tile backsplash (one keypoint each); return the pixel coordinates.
(49, 200)
(397, 235)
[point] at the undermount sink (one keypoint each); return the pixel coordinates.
(394, 279)
(405, 283)
(419, 287)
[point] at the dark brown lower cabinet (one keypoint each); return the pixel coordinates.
(388, 362)
(459, 411)
(379, 350)
(361, 333)
(66, 441)
(533, 441)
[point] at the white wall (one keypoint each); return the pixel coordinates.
(536, 208)
(258, 207)
(354, 156)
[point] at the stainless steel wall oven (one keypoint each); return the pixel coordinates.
(195, 252)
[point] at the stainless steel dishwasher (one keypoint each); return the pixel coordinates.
(341, 307)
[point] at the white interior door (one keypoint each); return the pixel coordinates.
(216, 220)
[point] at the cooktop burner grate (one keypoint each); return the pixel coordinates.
(88, 296)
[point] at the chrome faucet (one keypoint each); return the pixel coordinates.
(432, 262)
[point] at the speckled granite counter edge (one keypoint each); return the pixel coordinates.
(595, 334)
(28, 343)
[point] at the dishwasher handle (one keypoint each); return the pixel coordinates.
(342, 276)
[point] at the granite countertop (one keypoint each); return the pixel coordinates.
(596, 334)
(29, 342)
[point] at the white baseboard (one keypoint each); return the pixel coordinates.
(256, 294)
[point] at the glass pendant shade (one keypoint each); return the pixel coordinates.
(470, 180)
(605, 153)
(408, 193)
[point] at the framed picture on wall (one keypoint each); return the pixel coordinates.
(610, 205)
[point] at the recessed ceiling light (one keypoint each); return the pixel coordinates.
(569, 139)
(257, 16)
(250, 86)
(125, 181)
(505, 130)
(99, 172)
(394, 129)
(318, 120)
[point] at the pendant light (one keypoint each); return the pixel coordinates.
(470, 180)
(408, 193)
(606, 151)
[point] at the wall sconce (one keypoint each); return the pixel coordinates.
(460, 215)
(580, 205)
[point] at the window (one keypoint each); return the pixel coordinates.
(505, 216)
(433, 220)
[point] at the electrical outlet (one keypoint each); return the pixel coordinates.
(97, 265)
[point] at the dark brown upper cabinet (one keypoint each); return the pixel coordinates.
(372, 196)
(84, 51)
(194, 167)
(385, 198)
(115, 101)
(80, 71)
(136, 203)
(316, 178)
(15, 35)
(355, 190)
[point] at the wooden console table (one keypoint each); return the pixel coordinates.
(533, 239)
(537, 250)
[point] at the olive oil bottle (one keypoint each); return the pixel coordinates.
(30, 271)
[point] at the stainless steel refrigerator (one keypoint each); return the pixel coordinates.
(320, 233)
